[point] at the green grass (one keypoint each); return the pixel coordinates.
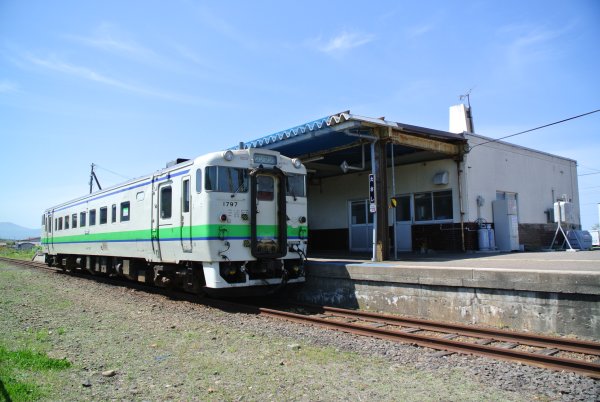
(16, 370)
(18, 254)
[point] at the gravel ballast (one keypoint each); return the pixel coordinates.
(130, 345)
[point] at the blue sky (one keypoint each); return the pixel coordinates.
(130, 85)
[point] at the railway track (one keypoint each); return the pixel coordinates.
(556, 353)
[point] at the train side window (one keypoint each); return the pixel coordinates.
(166, 194)
(113, 217)
(210, 178)
(55, 224)
(125, 212)
(198, 180)
(67, 222)
(60, 223)
(186, 195)
(103, 215)
(82, 219)
(44, 221)
(92, 217)
(74, 221)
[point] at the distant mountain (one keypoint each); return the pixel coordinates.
(10, 231)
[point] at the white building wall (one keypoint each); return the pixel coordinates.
(537, 178)
(328, 206)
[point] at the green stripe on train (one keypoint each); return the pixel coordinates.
(202, 231)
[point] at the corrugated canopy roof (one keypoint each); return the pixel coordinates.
(338, 137)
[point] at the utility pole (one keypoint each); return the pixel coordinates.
(92, 178)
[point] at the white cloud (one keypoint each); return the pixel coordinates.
(343, 42)
(60, 66)
(530, 44)
(109, 37)
(8, 86)
(419, 30)
(224, 28)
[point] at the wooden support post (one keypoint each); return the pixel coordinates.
(383, 235)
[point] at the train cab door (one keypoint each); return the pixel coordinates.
(186, 215)
(268, 232)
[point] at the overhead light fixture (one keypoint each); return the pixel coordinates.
(346, 167)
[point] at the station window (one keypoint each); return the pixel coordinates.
(125, 212)
(185, 196)
(60, 223)
(442, 205)
(166, 194)
(295, 185)
(74, 221)
(67, 222)
(113, 217)
(433, 206)
(226, 179)
(82, 219)
(92, 217)
(103, 215)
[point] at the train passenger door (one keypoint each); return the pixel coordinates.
(165, 218)
(268, 232)
(186, 215)
(49, 232)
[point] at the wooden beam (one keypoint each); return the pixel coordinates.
(427, 144)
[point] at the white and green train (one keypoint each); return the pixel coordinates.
(222, 222)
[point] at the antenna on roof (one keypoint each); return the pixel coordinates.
(92, 178)
(469, 114)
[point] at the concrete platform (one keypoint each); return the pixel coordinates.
(562, 272)
(554, 292)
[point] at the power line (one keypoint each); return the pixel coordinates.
(110, 171)
(588, 174)
(537, 128)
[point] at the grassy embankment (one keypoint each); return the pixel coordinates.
(19, 368)
(10, 252)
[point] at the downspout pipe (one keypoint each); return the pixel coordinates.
(460, 204)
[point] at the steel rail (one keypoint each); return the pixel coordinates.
(564, 344)
(557, 363)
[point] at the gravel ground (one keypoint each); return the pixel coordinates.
(130, 345)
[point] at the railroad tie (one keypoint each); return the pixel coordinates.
(449, 336)
(548, 352)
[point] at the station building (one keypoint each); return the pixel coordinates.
(385, 188)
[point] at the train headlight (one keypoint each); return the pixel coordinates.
(297, 163)
(302, 219)
(228, 155)
(223, 218)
